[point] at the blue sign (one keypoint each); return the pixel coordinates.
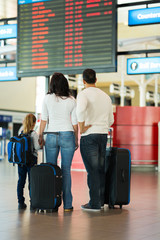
(8, 74)
(31, 1)
(143, 65)
(8, 31)
(144, 16)
(5, 118)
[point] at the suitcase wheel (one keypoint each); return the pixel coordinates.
(111, 206)
(40, 210)
(52, 210)
(49, 210)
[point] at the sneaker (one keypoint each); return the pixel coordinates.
(22, 206)
(68, 209)
(87, 207)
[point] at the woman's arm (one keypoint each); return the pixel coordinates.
(41, 130)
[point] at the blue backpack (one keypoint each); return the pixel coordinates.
(20, 150)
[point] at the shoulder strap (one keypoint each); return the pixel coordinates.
(25, 134)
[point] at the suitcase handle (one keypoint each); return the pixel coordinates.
(110, 142)
(124, 175)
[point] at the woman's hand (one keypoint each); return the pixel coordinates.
(41, 141)
(77, 146)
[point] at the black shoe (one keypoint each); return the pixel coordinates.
(87, 207)
(22, 206)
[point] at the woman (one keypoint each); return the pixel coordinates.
(59, 113)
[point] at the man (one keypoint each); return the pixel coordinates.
(95, 116)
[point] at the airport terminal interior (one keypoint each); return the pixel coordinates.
(136, 105)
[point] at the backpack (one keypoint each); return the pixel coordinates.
(20, 149)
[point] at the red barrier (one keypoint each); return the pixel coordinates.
(136, 128)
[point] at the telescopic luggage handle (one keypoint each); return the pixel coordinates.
(110, 139)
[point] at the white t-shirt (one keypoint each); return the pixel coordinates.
(59, 112)
(95, 107)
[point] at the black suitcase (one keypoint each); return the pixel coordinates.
(118, 174)
(46, 187)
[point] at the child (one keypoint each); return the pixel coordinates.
(28, 126)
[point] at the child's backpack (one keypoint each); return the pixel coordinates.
(20, 149)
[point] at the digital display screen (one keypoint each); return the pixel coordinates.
(144, 16)
(143, 65)
(8, 31)
(66, 36)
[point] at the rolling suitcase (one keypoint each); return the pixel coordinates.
(46, 187)
(118, 173)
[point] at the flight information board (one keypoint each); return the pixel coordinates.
(66, 36)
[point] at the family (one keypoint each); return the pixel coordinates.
(61, 117)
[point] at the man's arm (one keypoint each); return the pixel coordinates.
(82, 127)
(75, 127)
(81, 110)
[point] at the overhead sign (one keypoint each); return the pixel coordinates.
(8, 31)
(8, 74)
(144, 16)
(143, 65)
(5, 118)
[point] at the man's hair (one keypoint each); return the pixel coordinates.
(89, 75)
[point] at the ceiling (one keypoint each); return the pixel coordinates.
(134, 38)
(8, 8)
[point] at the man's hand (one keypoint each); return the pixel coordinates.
(83, 128)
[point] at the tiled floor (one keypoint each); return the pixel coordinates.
(140, 220)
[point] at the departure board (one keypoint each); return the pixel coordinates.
(66, 36)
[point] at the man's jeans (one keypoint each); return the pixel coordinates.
(64, 142)
(93, 151)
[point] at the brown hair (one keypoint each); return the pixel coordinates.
(28, 123)
(59, 85)
(89, 75)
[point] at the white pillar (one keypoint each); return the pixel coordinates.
(156, 91)
(142, 89)
(80, 83)
(122, 91)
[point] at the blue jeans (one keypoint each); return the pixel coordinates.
(64, 142)
(93, 151)
(22, 175)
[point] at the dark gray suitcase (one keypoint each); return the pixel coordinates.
(46, 187)
(118, 174)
